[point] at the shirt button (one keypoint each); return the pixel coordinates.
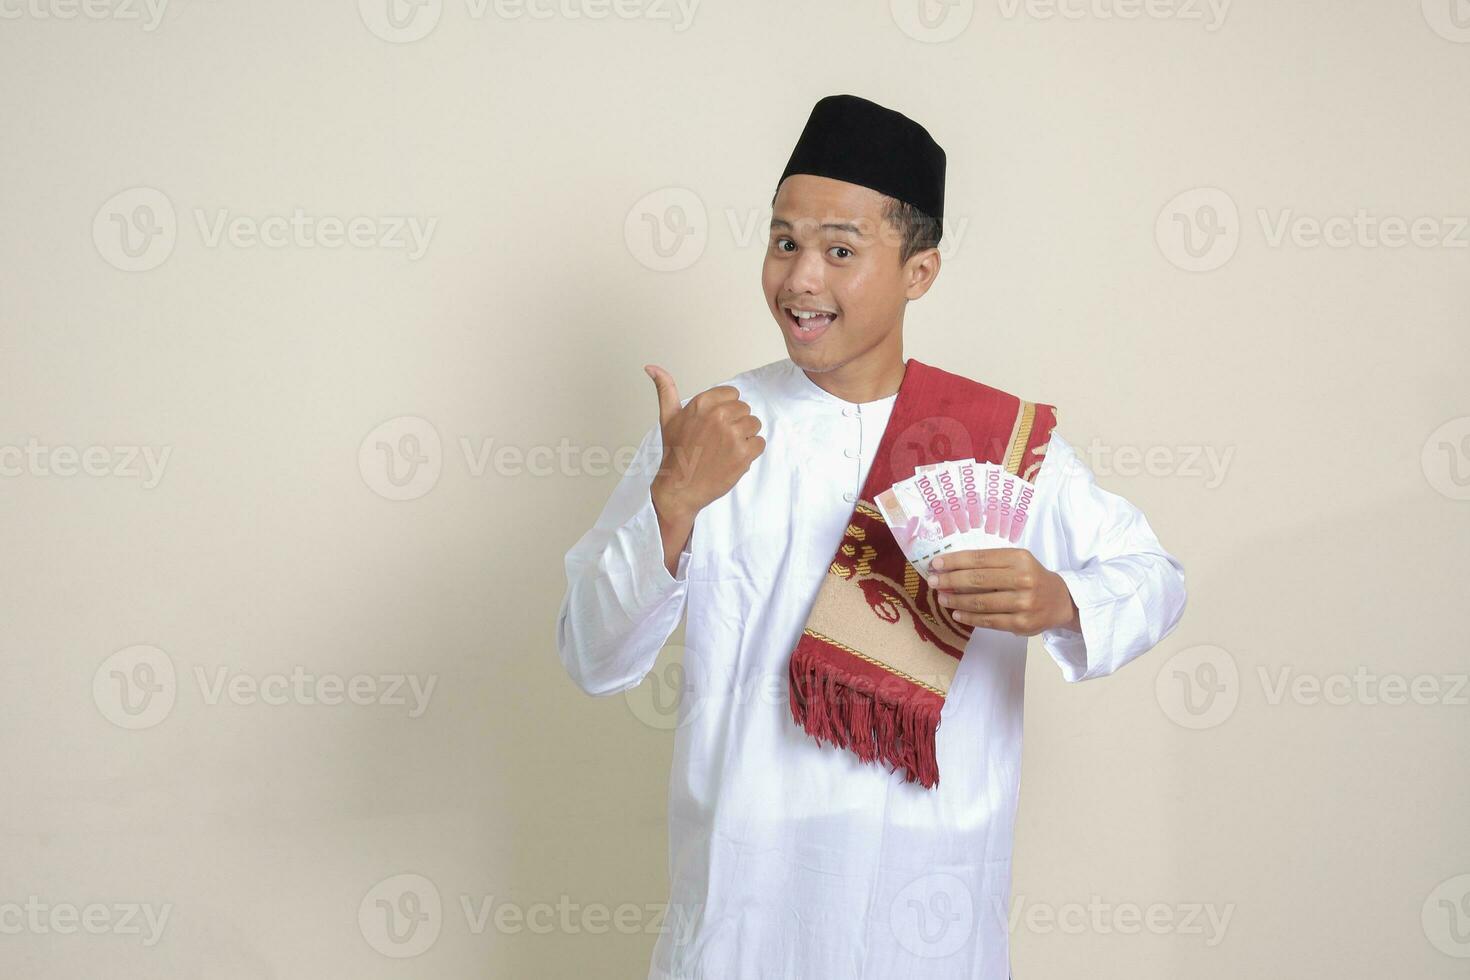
(849, 496)
(850, 453)
(849, 412)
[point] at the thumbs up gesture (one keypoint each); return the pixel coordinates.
(708, 445)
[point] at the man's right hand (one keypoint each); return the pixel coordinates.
(708, 446)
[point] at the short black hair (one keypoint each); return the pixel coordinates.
(919, 230)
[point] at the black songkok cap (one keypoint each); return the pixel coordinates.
(851, 139)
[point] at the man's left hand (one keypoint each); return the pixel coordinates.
(1003, 589)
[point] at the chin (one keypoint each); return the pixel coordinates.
(809, 359)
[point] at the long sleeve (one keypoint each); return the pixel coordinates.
(1129, 591)
(621, 603)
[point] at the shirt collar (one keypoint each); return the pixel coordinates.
(796, 384)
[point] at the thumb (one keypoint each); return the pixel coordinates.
(668, 393)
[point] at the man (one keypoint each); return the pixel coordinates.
(791, 858)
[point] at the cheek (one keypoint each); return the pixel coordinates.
(770, 279)
(876, 288)
(854, 289)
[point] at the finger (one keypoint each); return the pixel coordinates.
(975, 580)
(747, 425)
(668, 392)
(988, 602)
(733, 409)
(718, 394)
(757, 446)
(978, 558)
(1005, 622)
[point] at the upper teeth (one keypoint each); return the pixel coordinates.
(806, 314)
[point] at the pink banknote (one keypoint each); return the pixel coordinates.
(956, 505)
(920, 522)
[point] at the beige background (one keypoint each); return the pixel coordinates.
(1328, 539)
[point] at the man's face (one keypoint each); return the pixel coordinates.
(830, 252)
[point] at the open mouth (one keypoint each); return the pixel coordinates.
(807, 325)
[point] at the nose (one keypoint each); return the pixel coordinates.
(804, 275)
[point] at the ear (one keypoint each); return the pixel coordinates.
(920, 271)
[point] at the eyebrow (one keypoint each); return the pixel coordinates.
(850, 229)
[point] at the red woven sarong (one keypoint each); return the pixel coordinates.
(878, 654)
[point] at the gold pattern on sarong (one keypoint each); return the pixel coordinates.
(911, 581)
(1018, 441)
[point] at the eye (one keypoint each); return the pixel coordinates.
(841, 248)
(783, 241)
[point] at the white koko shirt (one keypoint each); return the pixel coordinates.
(790, 860)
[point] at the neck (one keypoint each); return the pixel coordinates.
(872, 375)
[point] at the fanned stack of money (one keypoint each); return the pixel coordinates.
(957, 505)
